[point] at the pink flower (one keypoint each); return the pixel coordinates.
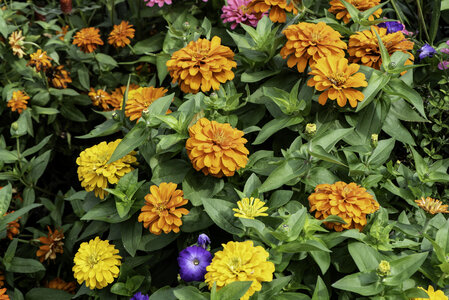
(443, 65)
(160, 3)
(445, 50)
(236, 12)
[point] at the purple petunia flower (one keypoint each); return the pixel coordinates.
(426, 51)
(443, 65)
(203, 241)
(192, 263)
(139, 296)
(236, 12)
(392, 26)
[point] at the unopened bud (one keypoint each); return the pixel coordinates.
(186, 26)
(15, 126)
(115, 116)
(66, 6)
(384, 268)
(145, 114)
(374, 139)
(214, 96)
(311, 129)
(392, 65)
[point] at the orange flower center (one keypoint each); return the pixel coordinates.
(93, 260)
(160, 208)
(337, 79)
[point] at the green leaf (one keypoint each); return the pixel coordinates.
(105, 59)
(354, 12)
(288, 170)
(422, 168)
(404, 267)
(269, 289)
(376, 82)
(258, 76)
(383, 52)
(197, 187)
(393, 127)
(318, 152)
(4, 220)
(104, 129)
(69, 111)
(197, 219)
(189, 293)
(152, 242)
(119, 288)
(328, 139)
(37, 147)
(8, 156)
(152, 44)
(382, 152)
(291, 228)
(45, 110)
(45, 293)
(173, 170)
(323, 260)
(274, 126)
(220, 211)
(436, 13)
(234, 290)
(25, 265)
(365, 284)
(365, 257)
(397, 87)
(131, 236)
(5, 198)
(161, 64)
(83, 77)
(307, 246)
(320, 292)
(133, 139)
(38, 166)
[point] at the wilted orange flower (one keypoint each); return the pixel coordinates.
(277, 8)
(139, 100)
(63, 32)
(307, 42)
(52, 244)
(216, 149)
(100, 98)
(18, 101)
(116, 96)
(337, 80)
(59, 284)
(40, 60)
(364, 48)
(88, 39)
(202, 65)
(2, 279)
(16, 43)
(339, 10)
(432, 206)
(121, 34)
(162, 211)
(13, 227)
(58, 77)
(350, 201)
(3, 295)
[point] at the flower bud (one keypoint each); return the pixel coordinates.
(66, 6)
(145, 114)
(311, 129)
(186, 26)
(15, 126)
(214, 96)
(384, 268)
(115, 116)
(374, 140)
(203, 240)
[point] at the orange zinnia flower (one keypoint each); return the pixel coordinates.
(59, 284)
(277, 8)
(307, 42)
(162, 211)
(202, 65)
(139, 100)
(52, 244)
(100, 98)
(432, 206)
(58, 77)
(16, 43)
(364, 48)
(121, 34)
(216, 149)
(337, 80)
(63, 32)
(350, 201)
(18, 101)
(40, 60)
(3, 295)
(116, 96)
(339, 10)
(13, 227)
(88, 39)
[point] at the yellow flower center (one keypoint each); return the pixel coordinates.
(316, 37)
(93, 260)
(160, 208)
(337, 79)
(234, 264)
(243, 9)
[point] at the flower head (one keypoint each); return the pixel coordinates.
(349, 201)
(100, 98)
(339, 10)
(310, 129)
(426, 51)
(250, 208)
(433, 295)
(121, 34)
(392, 26)
(237, 12)
(40, 60)
(192, 263)
(432, 206)
(12, 229)
(116, 96)
(202, 65)
(3, 295)
(59, 284)
(337, 80)
(278, 8)
(160, 3)
(443, 65)
(139, 296)
(96, 263)
(88, 39)
(16, 43)
(18, 101)
(52, 244)
(95, 172)
(58, 77)
(364, 47)
(307, 42)
(384, 268)
(203, 241)
(216, 149)
(63, 32)
(240, 261)
(140, 99)
(162, 210)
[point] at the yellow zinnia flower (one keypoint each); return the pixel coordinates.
(339, 10)
(95, 173)
(433, 295)
(16, 43)
(96, 263)
(364, 47)
(277, 8)
(432, 206)
(139, 100)
(18, 101)
(88, 39)
(58, 77)
(162, 211)
(307, 42)
(202, 65)
(40, 60)
(240, 261)
(337, 80)
(350, 201)
(216, 149)
(250, 208)
(121, 34)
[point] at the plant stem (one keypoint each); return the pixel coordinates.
(421, 19)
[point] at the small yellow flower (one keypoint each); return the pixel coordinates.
(432, 206)
(433, 295)
(40, 60)
(16, 43)
(250, 208)
(384, 268)
(311, 128)
(96, 263)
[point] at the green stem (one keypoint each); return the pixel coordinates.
(421, 19)
(98, 63)
(395, 7)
